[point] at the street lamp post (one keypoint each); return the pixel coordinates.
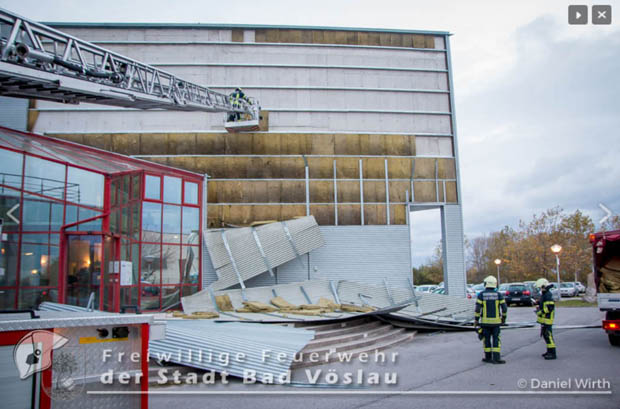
(497, 263)
(556, 249)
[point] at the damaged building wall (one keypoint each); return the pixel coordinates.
(338, 259)
(334, 98)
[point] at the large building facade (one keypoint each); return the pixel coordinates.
(358, 130)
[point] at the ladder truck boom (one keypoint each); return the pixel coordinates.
(37, 61)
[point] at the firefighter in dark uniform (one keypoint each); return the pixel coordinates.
(545, 313)
(235, 100)
(490, 313)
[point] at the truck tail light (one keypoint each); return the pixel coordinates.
(611, 325)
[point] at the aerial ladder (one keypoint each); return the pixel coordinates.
(37, 61)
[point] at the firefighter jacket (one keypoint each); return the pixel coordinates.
(546, 308)
(491, 307)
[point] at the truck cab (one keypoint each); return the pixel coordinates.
(606, 257)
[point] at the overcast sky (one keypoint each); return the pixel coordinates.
(536, 99)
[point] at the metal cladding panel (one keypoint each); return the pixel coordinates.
(280, 242)
(209, 274)
(14, 113)
(194, 338)
(361, 253)
(454, 257)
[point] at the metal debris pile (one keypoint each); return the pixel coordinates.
(321, 300)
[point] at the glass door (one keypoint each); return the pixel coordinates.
(83, 276)
(111, 274)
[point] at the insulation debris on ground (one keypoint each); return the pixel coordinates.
(321, 300)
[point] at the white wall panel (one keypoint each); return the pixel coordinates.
(359, 253)
(14, 113)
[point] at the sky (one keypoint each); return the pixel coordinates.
(536, 99)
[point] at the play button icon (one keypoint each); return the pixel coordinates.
(577, 14)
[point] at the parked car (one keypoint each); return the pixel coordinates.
(470, 293)
(581, 289)
(439, 290)
(568, 290)
(478, 288)
(428, 288)
(535, 292)
(517, 293)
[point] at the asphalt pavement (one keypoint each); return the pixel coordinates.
(442, 370)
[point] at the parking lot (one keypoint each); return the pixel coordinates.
(444, 370)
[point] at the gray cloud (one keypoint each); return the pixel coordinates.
(545, 133)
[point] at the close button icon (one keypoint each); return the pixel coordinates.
(601, 14)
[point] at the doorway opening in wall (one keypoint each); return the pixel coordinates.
(426, 246)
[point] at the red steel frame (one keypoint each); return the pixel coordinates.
(144, 168)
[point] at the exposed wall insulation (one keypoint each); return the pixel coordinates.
(248, 143)
(275, 35)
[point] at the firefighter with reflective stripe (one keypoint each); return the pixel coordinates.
(235, 99)
(545, 313)
(490, 313)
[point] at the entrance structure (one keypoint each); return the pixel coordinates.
(87, 227)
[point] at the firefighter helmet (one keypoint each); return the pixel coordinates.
(490, 282)
(541, 283)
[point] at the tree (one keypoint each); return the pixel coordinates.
(477, 258)
(612, 223)
(526, 253)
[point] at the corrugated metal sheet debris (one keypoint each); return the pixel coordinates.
(213, 346)
(236, 253)
(436, 307)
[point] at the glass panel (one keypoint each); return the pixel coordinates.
(171, 258)
(135, 186)
(129, 296)
(84, 187)
(114, 221)
(191, 225)
(125, 221)
(171, 232)
(29, 238)
(10, 171)
(75, 213)
(149, 298)
(7, 299)
(84, 262)
(41, 215)
(135, 223)
(170, 297)
(125, 250)
(32, 297)
(113, 194)
(151, 222)
(8, 261)
(191, 193)
(172, 189)
(38, 266)
(150, 264)
(189, 264)
(189, 290)
(152, 187)
(125, 189)
(9, 204)
(135, 264)
(108, 277)
(44, 177)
